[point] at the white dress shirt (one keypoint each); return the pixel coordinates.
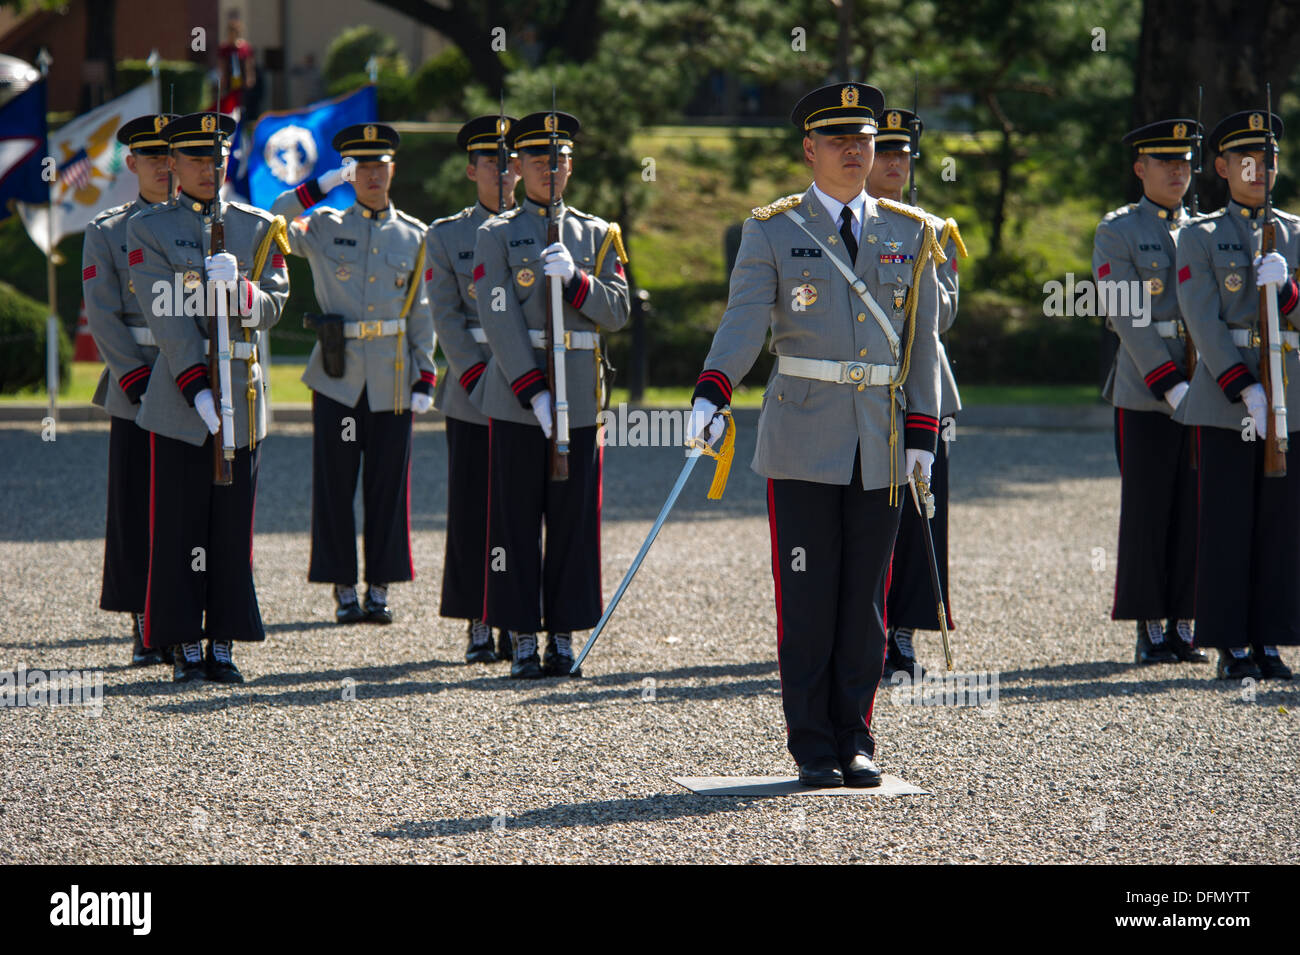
(857, 206)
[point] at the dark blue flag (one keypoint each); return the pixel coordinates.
(22, 149)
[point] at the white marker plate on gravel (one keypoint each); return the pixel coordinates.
(789, 786)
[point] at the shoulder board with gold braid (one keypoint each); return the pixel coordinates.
(950, 231)
(912, 212)
(776, 208)
(614, 237)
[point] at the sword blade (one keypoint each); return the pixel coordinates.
(692, 458)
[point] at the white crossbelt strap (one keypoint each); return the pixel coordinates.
(581, 341)
(839, 372)
(141, 334)
(1166, 329)
(376, 329)
(858, 286)
(1248, 338)
(240, 350)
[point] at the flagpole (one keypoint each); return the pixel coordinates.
(43, 60)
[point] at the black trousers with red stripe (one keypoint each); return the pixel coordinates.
(911, 594)
(347, 442)
(830, 552)
(526, 590)
(467, 502)
(201, 552)
(1248, 558)
(126, 531)
(1155, 570)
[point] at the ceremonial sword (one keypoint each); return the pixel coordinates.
(921, 496)
(698, 446)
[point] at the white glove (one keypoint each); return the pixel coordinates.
(222, 267)
(1175, 395)
(207, 409)
(420, 402)
(556, 260)
(1257, 404)
(913, 455)
(336, 177)
(542, 409)
(704, 415)
(1270, 270)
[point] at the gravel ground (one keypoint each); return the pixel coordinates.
(372, 744)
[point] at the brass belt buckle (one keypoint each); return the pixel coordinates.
(370, 329)
(856, 371)
(567, 340)
(1254, 338)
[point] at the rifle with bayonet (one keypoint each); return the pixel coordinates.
(1270, 337)
(223, 442)
(916, 141)
(1189, 346)
(503, 156)
(556, 369)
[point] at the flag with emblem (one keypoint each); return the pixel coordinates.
(22, 143)
(291, 147)
(91, 168)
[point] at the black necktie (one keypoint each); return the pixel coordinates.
(846, 232)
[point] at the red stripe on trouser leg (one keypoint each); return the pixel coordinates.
(776, 580)
(1119, 425)
(410, 551)
(148, 588)
(600, 501)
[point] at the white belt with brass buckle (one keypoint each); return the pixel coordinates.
(1168, 329)
(578, 341)
(478, 334)
(240, 350)
(142, 335)
(375, 329)
(1249, 338)
(838, 372)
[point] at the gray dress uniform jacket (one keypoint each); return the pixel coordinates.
(361, 264)
(112, 310)
(950, 398)
(450, 243)
(1217, 292)
(811, 430)
(167, 243)
(1137, 244)
(508, 256)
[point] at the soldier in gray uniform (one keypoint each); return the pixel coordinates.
(372, 368)
(126, 345)
(201, 560)
(909, 596)
(1249, 524)
(450, 244)
(527, 591)
(1134, 259)
(847, 285)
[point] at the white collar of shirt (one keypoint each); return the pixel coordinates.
(857, 206)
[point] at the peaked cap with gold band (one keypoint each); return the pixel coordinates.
(367, 142)
(1165, 138)
(894, 132)
(480, 133)
(1245, 131)
(842, 109)
(146, 134)
(195, 134)
(532, 134)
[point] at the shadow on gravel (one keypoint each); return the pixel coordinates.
(122, 638)
(1100, 689)
(568, 815)
(1067, 671)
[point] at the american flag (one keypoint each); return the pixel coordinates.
(76, 170)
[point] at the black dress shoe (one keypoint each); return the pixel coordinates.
(821, 773)
(376, 607)
(479, 648)
(1272, 667)
(1151, 644)
(1236, 668)
(142, 656)
(349, 608)
(525, 665)
(187, 663)
(220, 664)
(1179, 636)
(861, 773)
(558, 658)
(504, 652)
(899, 654)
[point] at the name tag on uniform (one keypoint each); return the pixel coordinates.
(187, 243)
(1230, 247)
(466, 255)
(896, 259)
(515, 242)
(1148, 247)
(806, 253)
(345, 241)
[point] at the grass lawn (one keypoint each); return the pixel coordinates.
(285, 386)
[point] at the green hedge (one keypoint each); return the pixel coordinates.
(22, 342)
